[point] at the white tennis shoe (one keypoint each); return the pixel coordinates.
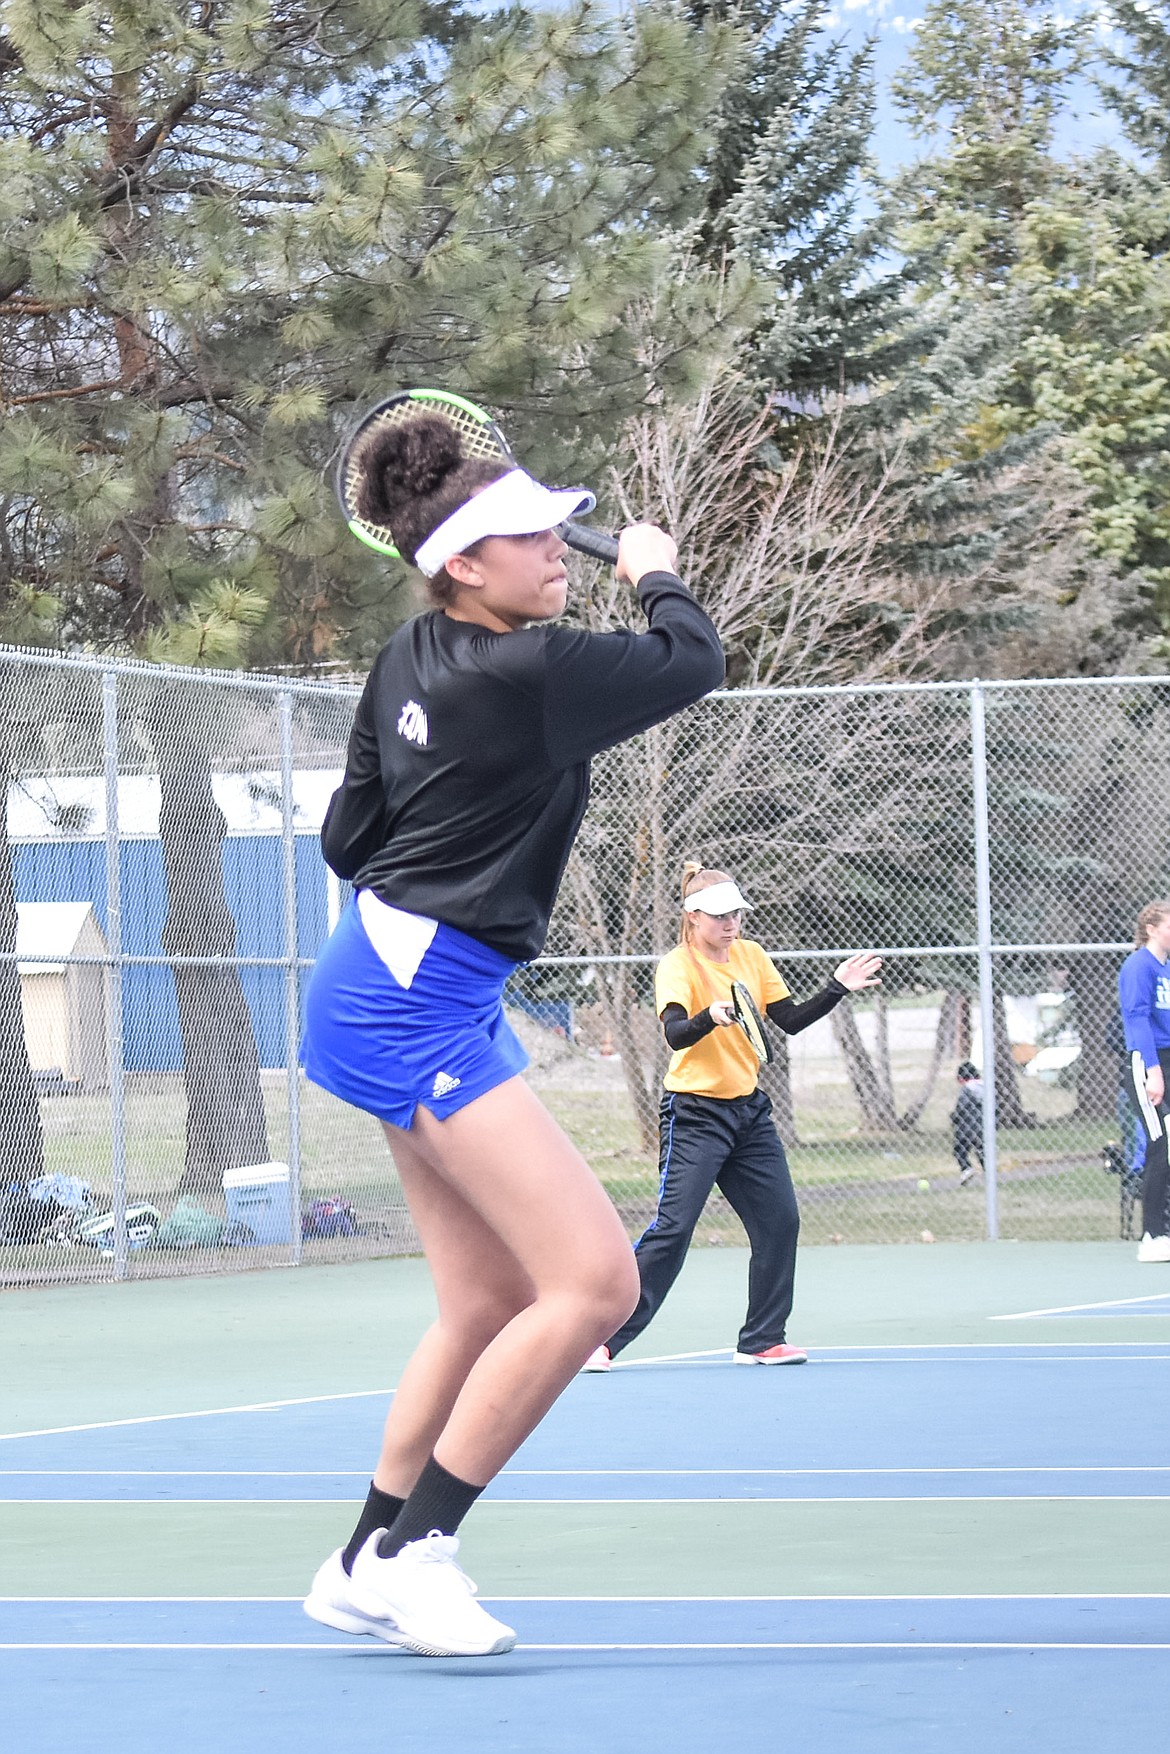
(1154, 1248)
(598, 1359)
(331, 1601)
(424, 1596)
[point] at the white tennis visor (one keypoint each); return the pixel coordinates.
(515, 505)
(719, 898)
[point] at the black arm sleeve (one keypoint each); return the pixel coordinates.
(682, 1031)
(604, 687)
(352, 830)
(792, 1018)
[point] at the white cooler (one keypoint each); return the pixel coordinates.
(259, 1204)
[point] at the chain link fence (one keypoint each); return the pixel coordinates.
(162, 898)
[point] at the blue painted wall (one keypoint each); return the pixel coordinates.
(254, 883)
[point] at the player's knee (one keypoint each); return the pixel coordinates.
(621, 1291)
(604, 1290)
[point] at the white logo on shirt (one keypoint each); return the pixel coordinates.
(444, 1084)
(412, 723)
(1162, 993)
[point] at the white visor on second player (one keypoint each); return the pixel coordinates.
(515, 505)
(718, 898)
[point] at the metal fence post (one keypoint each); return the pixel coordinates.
(114, 1042)
(984, 942)
(292, 1003)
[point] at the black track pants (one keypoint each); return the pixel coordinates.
(706, 1142)
(1156, 1174)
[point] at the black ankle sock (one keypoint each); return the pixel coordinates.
(378, 1512)
(439, 1501)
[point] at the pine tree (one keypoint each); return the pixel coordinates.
(1052, 276)
(985, 83)
(222, 226)
(783, 194)
(1136, 75)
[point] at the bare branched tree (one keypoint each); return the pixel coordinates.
(787, 557)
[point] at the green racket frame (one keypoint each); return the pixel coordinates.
(479, 436)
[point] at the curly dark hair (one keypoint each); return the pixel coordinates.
(412, 478)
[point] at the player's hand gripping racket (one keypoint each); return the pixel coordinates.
(478, 435)
(750, 1022)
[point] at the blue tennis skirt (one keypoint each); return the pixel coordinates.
(430, 1030)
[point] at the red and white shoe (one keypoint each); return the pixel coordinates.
(599, 1359)
(774, 1355)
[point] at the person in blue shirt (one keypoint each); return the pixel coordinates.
(1143, 986)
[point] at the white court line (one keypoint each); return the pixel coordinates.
(140, 1504)
(673, 1357)
(580, 1473)
(200, 1413)
(1084, 1357)
(980, 1596)
(818, 1473)
(1098, 1356)
(1078, 1308)
(576, 1473)
(524, 1647)
(867, 1356)
(907, 1346)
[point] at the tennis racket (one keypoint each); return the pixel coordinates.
(479, 436)
(750, 1022)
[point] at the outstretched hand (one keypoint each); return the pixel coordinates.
(859, 971)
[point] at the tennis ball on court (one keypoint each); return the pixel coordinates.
(923, 1185)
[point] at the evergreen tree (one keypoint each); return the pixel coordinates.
(1050, 274)
(984, 82)
(1136, 75)
(222, 225)
(994, 452)
(783, 194)
(1092, 358)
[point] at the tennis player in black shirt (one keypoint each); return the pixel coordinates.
(465, 783)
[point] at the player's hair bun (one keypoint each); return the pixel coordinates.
(407, 463)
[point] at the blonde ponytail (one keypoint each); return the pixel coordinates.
(696, 876)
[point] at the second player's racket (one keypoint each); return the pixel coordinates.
(750, 1021)
(479, 436)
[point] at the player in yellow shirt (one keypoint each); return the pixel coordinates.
(716, 1126)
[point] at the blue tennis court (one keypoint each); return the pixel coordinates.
(958, 1545)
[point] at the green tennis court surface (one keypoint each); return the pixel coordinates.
(947, 1531)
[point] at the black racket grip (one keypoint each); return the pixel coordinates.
(585, 541)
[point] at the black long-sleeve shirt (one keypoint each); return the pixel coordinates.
(682, 1031)
(468, 767)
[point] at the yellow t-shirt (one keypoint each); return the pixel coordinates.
(722, 1064)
